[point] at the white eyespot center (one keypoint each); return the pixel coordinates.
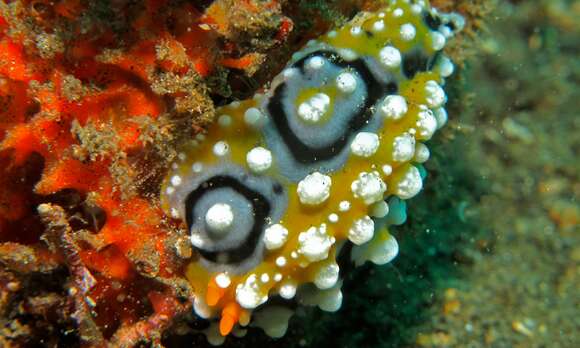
(313, 109)
(219, 218)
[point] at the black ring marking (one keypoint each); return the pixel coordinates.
(306, 154)
(417, 61)
(432, 21)
(260, 206)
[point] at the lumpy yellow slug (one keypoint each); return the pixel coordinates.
(289, 186)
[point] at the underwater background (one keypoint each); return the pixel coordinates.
(490, 253)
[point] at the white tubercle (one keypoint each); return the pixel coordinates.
(315, 243)
(378, 26)
(394, 107)
(381, 250)
(327, 276)
(408, 32)
(437, 40)
(369, 187)
(330, 300)
(248, 293)
(275, 236)
(361, 231)
(313, 109)
(379, 209)
(410, 184)
(426, 124)
(314, 63)
(356, 31)
(387, 169)
(288, 290)
(221, 148)
(223, 280)
(421, 153)
(254, 117)
(225, 120)
(435, 94)
(176, 180)
(314, 189)
(386, 251)
(440, 116)
(333, 218)
(281, 261)
(446, 66)
(259, 159)
(346, 82)
(365, 144)
(197, 167)
(219, 218)
(390, 57)
(344, 206)
(201, 308)
(403, 148)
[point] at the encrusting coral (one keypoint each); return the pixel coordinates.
(93, 98)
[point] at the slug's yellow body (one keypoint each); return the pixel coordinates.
(279, 186)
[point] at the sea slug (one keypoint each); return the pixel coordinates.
(288, 187)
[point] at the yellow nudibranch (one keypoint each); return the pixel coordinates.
(291, 186)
